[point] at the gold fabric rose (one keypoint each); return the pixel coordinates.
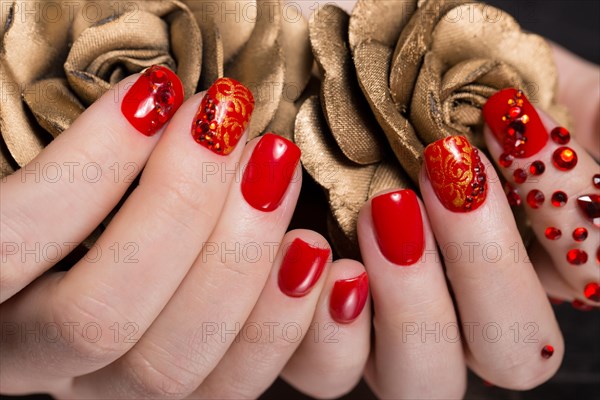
(57, 57)
(398, 75)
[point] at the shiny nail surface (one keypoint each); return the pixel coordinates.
(301, 268)
(456, 173)
(348, 298)
(223, 116)
(152, 100)
(398, 226)
(269, 172)
(515, 124)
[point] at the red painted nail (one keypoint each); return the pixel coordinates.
(515, 123)
(269, 172)
(348, 298)
(223, 115)
(152, 100)
(398, 226)
(301, 268)
(456, 173)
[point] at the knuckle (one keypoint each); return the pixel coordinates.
(160, 375)
(89, 336)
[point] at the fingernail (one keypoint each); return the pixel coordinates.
(223, 115)
(269, 172)
(348, 298)
(301, 268)
(152, 100)
(456, 173)
(398, 226)
(515, 124)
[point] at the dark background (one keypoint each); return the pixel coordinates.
(574, 25)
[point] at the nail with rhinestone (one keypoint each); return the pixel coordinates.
(223, 116)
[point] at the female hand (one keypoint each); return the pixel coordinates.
(480, 301)
(167, 302)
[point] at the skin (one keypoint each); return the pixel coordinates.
(178, 283)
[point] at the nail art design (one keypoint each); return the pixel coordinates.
(152, 100)
(456, 173)
(301, 268)
(516, 125)
(223, 116)
(398, 226)
(269, 172)
(348, 298)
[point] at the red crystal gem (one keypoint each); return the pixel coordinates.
(590, 206)
(158, 75)
(559, 199)
(553, 233)
(514, 112)
(537, 168)
(592, 291)
(512, 196)
(564, 158)
(580, 234)
(581, 306)
(535, 198)
(520, 175)
(547, 351)
(596, 180)
(577, 257)
(506, 160)
(560, 135)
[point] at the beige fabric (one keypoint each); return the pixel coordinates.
(425, 69)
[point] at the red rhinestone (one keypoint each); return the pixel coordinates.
(547, 351)
(581, 306)
(165, 96)
(516, 128)
(520, 175)
(596, 180)
(535, 198)
(592, 291)
(157, 75)
(577, 257)
(559, 199)
(511, 195)
(553, 233)
(506, 160)
(560, 135)
(589, 204)
(514, 112)
(537, 168)
(580, 234)
(564, 158)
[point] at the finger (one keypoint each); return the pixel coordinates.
(278, 322)
(417, 349)
(577, 76)
(203, 317)
(506, 317)
(332, 357)
(138, 262)
(80, 176)
(559, 183)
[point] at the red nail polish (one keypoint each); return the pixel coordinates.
(301, 268)
(269, 172)
(348, 298)
(515, 123)
(398, 226)
(223, 115)
(152, 100)
(456, 173)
